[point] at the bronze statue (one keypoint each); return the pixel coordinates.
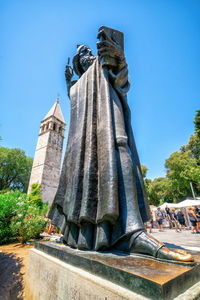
(100, 203)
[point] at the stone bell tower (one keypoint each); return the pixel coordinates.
(48, 153)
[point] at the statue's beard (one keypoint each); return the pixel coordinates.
(86, 61)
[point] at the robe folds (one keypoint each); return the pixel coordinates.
(89, 207)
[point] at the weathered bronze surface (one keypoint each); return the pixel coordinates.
(100, 203)
(147, 277)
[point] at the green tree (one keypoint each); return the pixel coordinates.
(197, 123)
(157, 191)
(194, 147)
(15, 169)
(182, 169)
(147, 181)
(144, 170)
(194, 141)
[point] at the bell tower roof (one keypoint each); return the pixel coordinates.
(56, 112)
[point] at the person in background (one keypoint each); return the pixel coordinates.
(167, 210)
(193, 219)
(160, 217)
(174, 219)
(181, 219)
(197, 211)
(168, 217)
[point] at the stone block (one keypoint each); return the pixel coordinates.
(59, 272)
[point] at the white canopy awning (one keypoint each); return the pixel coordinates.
(166, 204)
(188, 202)
(184, 203)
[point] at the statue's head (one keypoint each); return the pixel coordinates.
(82, 59)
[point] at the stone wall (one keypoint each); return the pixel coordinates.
(49, 278)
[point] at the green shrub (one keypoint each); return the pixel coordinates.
(5, 191)
(35, 196)
(11, 204)
(29, 228)
(31, 224)
(19, 218)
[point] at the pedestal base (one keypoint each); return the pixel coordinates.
(59, 272)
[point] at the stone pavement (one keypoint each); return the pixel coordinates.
(184, 239)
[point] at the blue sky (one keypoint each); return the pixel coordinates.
(162, 46)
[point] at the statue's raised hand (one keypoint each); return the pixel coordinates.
(69, 73)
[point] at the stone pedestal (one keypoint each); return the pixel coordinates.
(58, 272)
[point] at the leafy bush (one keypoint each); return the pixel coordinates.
(28, 228)
(9, 207)
(5, 191)
(35, 194)
(19, 218)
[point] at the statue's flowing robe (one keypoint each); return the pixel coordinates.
(88, 206)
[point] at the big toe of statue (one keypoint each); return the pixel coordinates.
(176, 254)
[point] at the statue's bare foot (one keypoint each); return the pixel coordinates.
(147, 244)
